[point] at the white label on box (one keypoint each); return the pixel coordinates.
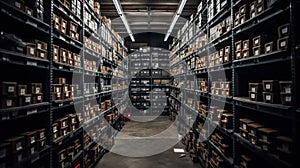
(19, 158)
(42, 55)
(67, 94)
(64, 59)
(252, 7)
(58, 94)
(19, 146)
(37, 90)
(245, 45)
(238, 54)
(32, 150)
(42, 135)
(252, 141)
(268, 86)
(288, 98)
(226, 50)
(252, 131)
(238, 46)
(22, 91)
(39, 46)
(252, 96)
(32, 140)
(242, 10)
(244, 126)
(29, 12)
(268, 97)
(245, 54)
(265, 147)
(55, 58)
(31, 51)
(244, 135)
(256, 42)
(27, 99)
(259, 9)
(252, 14)
(57, 89)
(11, 89)
(283, 44)
(284, 30)
(256, 52)
(287, 90)
(268, 48)
(9, 103)
(265, 138)
(42, 143)
(39, 98)
(18, 4)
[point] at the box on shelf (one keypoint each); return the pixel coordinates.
(63, 25)
(255, 87)
(285, 86)
(30, 50)
(283, 43)
(4, 151)
(286, 98)
(255, 96)
(260, 8)
(267, 138)
(9, 88)
(25, 100)
(17, 3)
(245, 53)
(22, 90)
(30, 138)
(41, 54)
(36, 88)
(8, 102)
(57, 92)
(256, 41)
(284, 30)
(242, 9)
(238, 55)
(39, 45)
(268, 47)
(238, 45)
(227, 120)
(270, 97)
(270, 86)
(55, 53)
(244, 122)
(256, 51)
(17, 144)
(284, 147)
(242, 19)
(253, 132)
(246, 161)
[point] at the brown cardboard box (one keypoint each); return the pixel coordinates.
(39, 45)
(22, 90)
(36, 88)
(270, 85)
(283, 43)
(284, 30)
(60, 80)
(270, 97)
(17, 3)
(8, 102)
(62, 123)
(17, 144)
(25, 100)
(256, 51)
(37, 98)
(72, 26)
(30, 138)
(256, 41)
(30, 50)
(255, 87)
(55, 53)
(286, 87)
(28, 11)
(63, 25)
(63, 55)
(41, 54)
(9, 88)
(268, 47)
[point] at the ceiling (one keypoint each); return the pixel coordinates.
(148, 15)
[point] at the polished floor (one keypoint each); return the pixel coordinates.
(166, 159)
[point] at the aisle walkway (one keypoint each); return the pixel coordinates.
(167, 159)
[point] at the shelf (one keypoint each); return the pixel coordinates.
(200, 71)
(92, 96)
(57, 104)
(275, 56)
(222, 67)
(229, 160)
(91, 11)
(91, 33)
(67, 40)
(258, 20)
(91, 73)
(270, 158)
(64, 139)
(23, 111)
(22, 17)
(76, 158)
(12, 57)
(64, 11)
(57, 66)
(274, 109)
(221, 98)
(224, 37)
(91, 53)
(200, 93)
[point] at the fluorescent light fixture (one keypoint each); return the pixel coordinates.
(123, 18)
(175, 18)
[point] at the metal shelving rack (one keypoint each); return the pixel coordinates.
(50, 109)
(236, 103)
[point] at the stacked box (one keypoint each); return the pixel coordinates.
(253, 9)
(267, 139)
(30, 142)
(256, 46)
(270, 91)
(283, 37)
(286, 92)
(244, 124)
(284, 148)
(253, 132)
(17, 147)
(9, 94)
(226, 120)
(255, 91)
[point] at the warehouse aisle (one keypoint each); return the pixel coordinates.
(164, 160)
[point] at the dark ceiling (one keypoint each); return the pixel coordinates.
(148, 15)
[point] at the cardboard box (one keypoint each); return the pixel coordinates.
(8, 102)
(73, 27)
(270, 97)
(41, 54)
(268, 47)
(9, 88)
(238, 55)
(30, 138)
(284, 30)
(256, 51)
(283, 43)
(36, 88)
(62, 123)
(17, 3)
(37, 98)
(245, 53)
(60, 80)
(267, 138)
(256, 41)
(17, 144)
(63, 25)
(55, 53)
(255, 87)
(255, 96)
(270, 85)
(39, 45)
(63, 55)
(285, 86)
(260, 8)
(30, 50)
(22, 90)
(4, 151)
(28, 11)
(253, 132)
(244, 122)
(25, 100)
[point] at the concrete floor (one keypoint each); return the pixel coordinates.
(167, 159)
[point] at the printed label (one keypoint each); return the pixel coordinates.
(64, 124)
(256, 52)
(253, 14)
(57, 89)
(31, 51)
(252, 131)
(8, 103)
(11, 89)
(268, 97)
(245, 54)
(37, 90)
(268, 48)
(253, 141)
(54, 129)
(39, 46)
(27, 99)
(265, 147)
(32, 150)
(238, 46)
(244, 126)
(18, 4)
(42, 55)
(252, 96)
(268, 86)
(245, 45)
(284, 30)
(283, 44)
(39, 98)
(259, 9)
(287, 90)
(42, 134)
(19, 146)
(256, 42)
(288, 98)
(29, 12)
(32, 140)
(22, 91)
(253, 89)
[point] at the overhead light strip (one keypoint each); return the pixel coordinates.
(123, 18)
(175, 18)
